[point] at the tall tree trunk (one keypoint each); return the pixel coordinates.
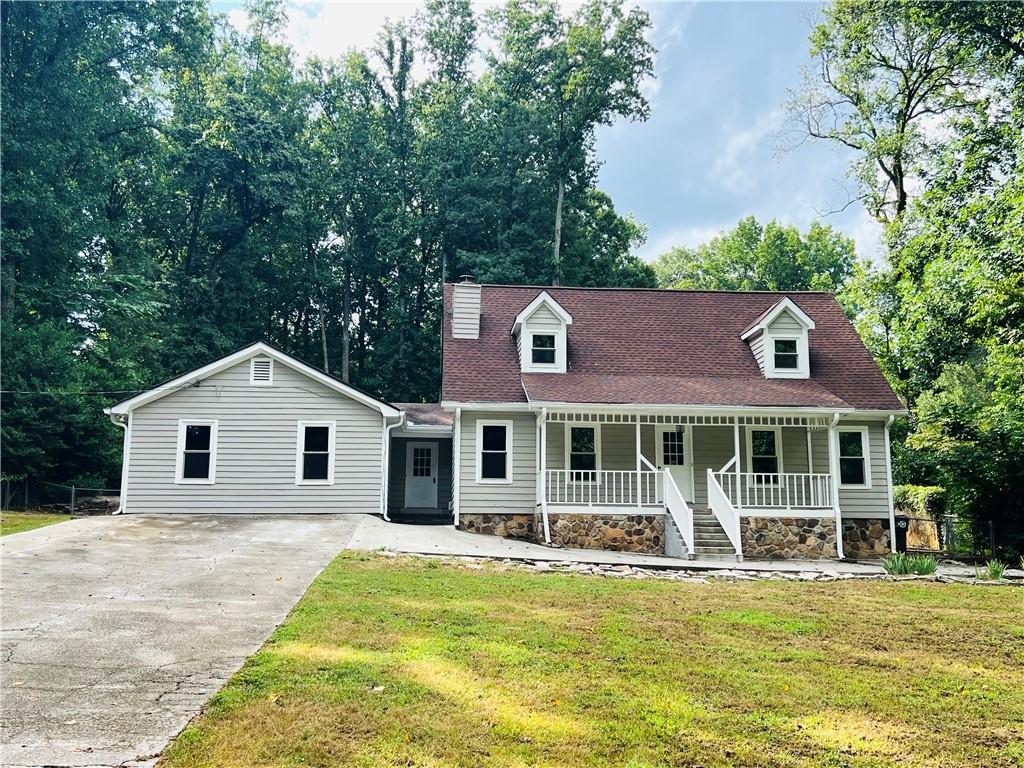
(558, 232)
(346, 318)
(321, 315)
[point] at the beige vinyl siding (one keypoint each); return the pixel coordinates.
(466, 311)
(397, 470)
(757, 347)
(519, 496)
(873, 501)
(785, 323)
(712, 449)
(794, 450)
(556, 446)
(543, 320)
(256, 447)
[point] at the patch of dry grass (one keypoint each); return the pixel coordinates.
(400, 662)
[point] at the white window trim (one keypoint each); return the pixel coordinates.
(300, 444)
(252, 372)
(526, 347)
(750, 447)
(543, 366)
(179, 465)
(865, 446)
(597, 448)
(802, 370)
(509, 469)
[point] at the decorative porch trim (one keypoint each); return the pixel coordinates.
(682, 419)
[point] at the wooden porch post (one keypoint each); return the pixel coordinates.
(639, 492)
(736, 455)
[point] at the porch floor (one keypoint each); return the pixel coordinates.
(374, 534)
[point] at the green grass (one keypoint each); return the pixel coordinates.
(402, 662)
(16, 522)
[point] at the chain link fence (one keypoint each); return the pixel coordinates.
(22, 493)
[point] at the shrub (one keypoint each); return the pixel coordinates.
(928, 501)
(900, 563)
(994, 570)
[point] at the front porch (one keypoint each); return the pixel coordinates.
(688, 484)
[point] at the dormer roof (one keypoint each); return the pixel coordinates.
(766, 318)
(542, 299)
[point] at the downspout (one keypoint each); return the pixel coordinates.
(385, 462)
(456, 465)
(543, 471)
(888, 483)
(833, 463)
(124, 460)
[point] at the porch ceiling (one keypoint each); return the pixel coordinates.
(583, 416)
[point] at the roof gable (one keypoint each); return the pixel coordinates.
(258, 349)
(543, 299)
(770, 315)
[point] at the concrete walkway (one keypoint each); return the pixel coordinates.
(374, 534)
(116, 630)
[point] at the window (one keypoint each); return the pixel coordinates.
(582, 445)
(315, 453)
(764, 454)
(786, 356)
(422, 462)
(494, 452)
(542, 348)
(853, 457)
(197, 452)
(261, 371)
(673, 447)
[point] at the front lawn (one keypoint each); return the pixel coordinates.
(408, 662)
(16, 522)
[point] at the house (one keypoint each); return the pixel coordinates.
(691, 423)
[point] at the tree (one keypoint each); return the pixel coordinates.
(753, 256)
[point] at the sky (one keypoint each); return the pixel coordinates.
(710, 153)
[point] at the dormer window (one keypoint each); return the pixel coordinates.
(542, 348)
(541, 333)
(787, 358)
(779, 341)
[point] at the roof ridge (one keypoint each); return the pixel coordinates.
(778, 292)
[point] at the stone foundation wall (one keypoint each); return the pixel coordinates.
(508, 526)
(806, 538)
(865, 538)
(621, 533)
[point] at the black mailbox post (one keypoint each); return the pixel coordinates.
(900, 535)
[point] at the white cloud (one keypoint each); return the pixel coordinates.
(688, 237)
(735, 167)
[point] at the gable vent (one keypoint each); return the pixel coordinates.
(261, 371)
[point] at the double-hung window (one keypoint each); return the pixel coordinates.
(197, 452)
(853, 457)
(787, 357)
(542, 348)
(494, 452)
(764, 455)
(314, 459)
(582, 444)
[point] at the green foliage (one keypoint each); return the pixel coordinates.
(174, 189)
(922, 501)
(993, 571)
(753, 256)
(901, 563)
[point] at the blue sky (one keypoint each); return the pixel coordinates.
(708, 155)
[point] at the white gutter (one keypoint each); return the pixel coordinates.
(385, 454)
(543, 472)
(125, 449)
(833, 463)
(888, 485)
(456, 464)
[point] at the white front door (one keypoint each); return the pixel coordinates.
(421, 475)
(674, 449)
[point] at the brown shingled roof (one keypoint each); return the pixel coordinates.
(660, 347)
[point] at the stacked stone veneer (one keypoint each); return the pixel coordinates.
(807, 538)
(508, 526)
(864, 538)
(620, 533)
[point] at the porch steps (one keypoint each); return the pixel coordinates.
(709, 538)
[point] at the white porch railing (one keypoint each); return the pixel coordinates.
(679, 511)
(724, 511)
(605, 488)
(788, 490)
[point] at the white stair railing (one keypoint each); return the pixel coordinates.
(678, 509)
(724, 512)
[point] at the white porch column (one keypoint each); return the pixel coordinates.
(833, 462)
(639, 469)
(456, 464)
(736, 456)
(544, 474)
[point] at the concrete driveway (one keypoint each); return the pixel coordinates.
(116, 630)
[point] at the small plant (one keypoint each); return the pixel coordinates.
(900, 563)
(994, 570)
